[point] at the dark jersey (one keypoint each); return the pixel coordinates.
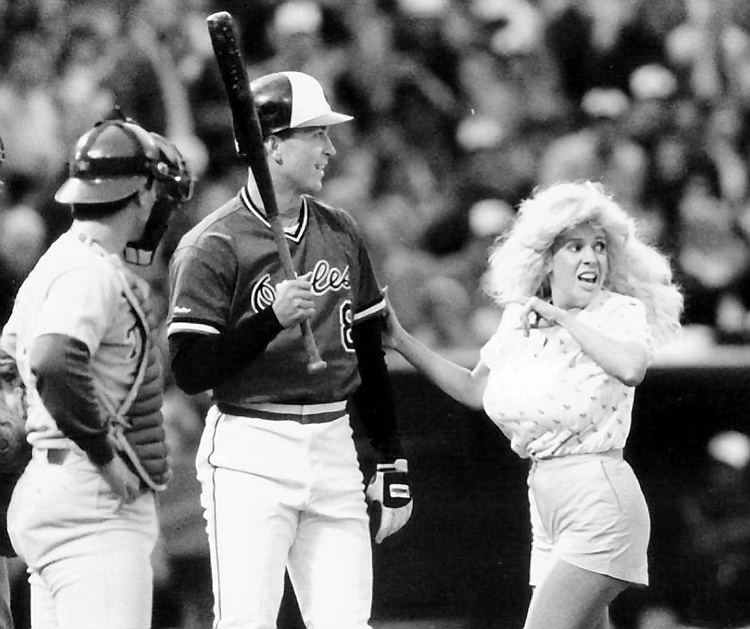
(226, 268)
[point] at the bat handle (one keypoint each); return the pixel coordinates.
(315, 363)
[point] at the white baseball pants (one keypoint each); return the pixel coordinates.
(285, 494)
(88, 556)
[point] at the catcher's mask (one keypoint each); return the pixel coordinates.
(113, 161)
(174, 186)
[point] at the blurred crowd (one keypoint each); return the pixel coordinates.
(462, 108)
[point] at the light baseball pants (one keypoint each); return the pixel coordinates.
(88, 556)
(285, 494)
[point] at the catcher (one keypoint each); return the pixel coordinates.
(83, 514)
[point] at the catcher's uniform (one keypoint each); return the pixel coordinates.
(281, 483)
(88, 555)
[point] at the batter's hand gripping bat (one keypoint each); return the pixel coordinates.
(248, 139)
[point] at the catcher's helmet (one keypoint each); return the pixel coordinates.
(175, 181)
(174, 186)
(110, 162)
(292, 100)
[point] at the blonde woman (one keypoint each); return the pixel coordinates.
(584, 303)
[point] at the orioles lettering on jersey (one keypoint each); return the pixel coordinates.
(209, 297)
(263, 294)
(324, 278)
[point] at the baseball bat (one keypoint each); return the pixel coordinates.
(248, 139)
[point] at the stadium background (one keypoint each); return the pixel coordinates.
(462, 107)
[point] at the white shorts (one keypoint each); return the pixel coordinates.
(589, 511)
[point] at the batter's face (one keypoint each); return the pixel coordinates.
(302, 158)
(579, 266)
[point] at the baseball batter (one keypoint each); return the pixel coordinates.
(82, 516)
(282, 488)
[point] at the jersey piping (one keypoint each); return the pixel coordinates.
(295, 233)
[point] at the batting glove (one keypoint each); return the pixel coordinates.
(389, 494)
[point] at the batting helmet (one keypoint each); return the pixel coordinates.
(174, 186)
(292, 100)
(110, 162)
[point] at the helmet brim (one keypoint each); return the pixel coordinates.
(98, 190)
(324, 120)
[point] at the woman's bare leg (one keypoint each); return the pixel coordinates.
(573, 598)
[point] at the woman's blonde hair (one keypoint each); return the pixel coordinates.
(518, 262)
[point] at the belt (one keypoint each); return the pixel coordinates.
(57, 456)
(300, 413)
(615, 453)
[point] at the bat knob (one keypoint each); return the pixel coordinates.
(220, 16)
(316, 367)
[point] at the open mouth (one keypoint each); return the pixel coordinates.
(588, 277)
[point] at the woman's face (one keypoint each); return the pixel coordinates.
(578, 266)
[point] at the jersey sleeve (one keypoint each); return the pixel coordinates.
(81, 304)
(65, 385)
(199, 291)
(370, 301)
(373, 398)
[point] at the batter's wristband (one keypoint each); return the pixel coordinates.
(396, 490)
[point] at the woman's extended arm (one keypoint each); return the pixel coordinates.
(462, 384)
